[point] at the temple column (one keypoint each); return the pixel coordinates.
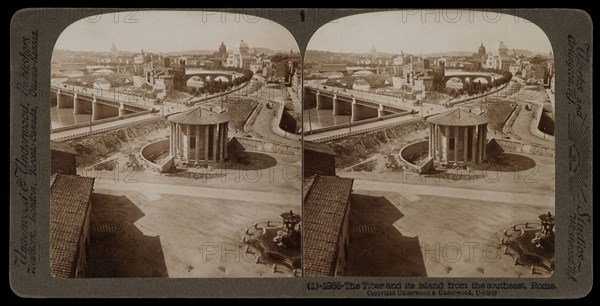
(225, 137)
(215, 140)
(456, 144)
(466, 144)
(484, 141)
(179, 141)
(197, 144)
(175, 140)
(438, 149)
(447, 151)
(479, 142)
(221, 130)
(171, 141)
(430, 154)
(474, 144)
(438, 142)
(188, 138)
(206, 139)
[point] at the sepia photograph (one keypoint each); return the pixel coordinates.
(429, 146)
(175, 147)
(300, 153)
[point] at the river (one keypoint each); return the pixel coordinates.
(65, 117)
(322, 118)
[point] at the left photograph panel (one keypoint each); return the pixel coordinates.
(175, 149)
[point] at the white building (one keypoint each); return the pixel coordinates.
(240, 57)
(361, 84)
(101, 83)
(138, 60)
(500, 59)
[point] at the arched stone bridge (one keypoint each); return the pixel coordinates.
(466, 76)
(206, 75)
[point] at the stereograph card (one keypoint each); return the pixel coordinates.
(301, 153)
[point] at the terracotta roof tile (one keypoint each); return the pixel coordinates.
(325, 205)
(69, 203)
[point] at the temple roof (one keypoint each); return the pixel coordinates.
(198, 116)
(457, 117)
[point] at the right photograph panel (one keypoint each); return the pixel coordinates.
(429, 146)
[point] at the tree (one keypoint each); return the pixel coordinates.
(537, 59)
(279, 58)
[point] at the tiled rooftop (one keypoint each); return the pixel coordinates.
(325, 205)
(69, 202)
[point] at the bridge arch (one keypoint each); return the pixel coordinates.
(455, 82)
(221, 78)
(481, 80)
(363, 73)
(208, 76)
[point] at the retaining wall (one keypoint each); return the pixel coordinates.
(518, 147)
(412, 149)
(536, 123)
(259, 145)
(156, 148)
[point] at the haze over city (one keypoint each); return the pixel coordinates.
(156, 31)
(428, 31)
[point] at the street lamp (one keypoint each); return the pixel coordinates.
(350, 124)
(90, 112)
(481, 104)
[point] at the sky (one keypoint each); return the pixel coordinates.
(168, 31)
(428, 31)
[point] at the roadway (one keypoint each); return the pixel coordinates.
(526, 120)
(264, 122)
(152, 191)
(409, 190)
(101, 127)
(352, 129)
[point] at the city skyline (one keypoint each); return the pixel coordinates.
(412, 32)
(98, 33)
